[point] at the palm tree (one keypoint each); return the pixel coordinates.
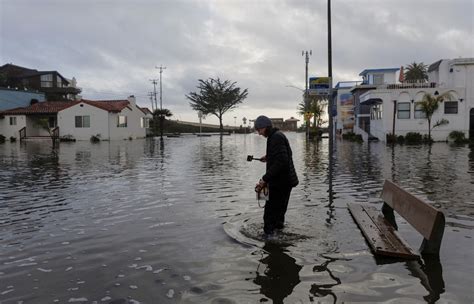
(161, 114)
(429, 104)
(316, 106)
(416, 72)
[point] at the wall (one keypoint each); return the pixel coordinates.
(457, 122)
(10, 98)
(9, 131)
(133, 129)
(98, 122)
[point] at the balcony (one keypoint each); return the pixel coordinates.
(409, 85)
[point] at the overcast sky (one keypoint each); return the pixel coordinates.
(113, 47)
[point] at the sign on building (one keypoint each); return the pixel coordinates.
(318, 86)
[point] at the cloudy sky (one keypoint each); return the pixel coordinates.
(113, 47)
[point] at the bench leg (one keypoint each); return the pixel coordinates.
(433, 245)
(430, 247)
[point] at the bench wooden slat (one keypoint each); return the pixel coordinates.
(381, 236)
(423, 217)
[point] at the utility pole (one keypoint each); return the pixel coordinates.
(161, 68)
(150, 94)
(154, 91)
(330, 107)
(306, 97)
(330, 100)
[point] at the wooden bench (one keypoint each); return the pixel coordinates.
(380, 229)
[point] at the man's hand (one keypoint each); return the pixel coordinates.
(259, 186)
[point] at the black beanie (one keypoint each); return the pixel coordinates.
(262, 122)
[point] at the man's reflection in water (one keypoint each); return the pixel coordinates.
(280, 276)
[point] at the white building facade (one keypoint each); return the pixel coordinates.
(110, 120)
(395, 107)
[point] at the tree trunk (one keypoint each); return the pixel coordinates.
(161, 126)
(429, 129)
(221, 127)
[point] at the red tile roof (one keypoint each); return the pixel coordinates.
(109, 105)
(47, 107)
(53, 107)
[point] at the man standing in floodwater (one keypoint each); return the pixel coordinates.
(280, 176)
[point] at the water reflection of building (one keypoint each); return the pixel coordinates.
(280, 276)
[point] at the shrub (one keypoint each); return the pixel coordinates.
(67, 137)
(391, 138)
(12, 138)
(2, 138)
(413, 138)
(427, 139)
(351, 136)
(458, 137)
(400, 139)
(95, 138)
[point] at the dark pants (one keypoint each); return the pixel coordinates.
(275, 208)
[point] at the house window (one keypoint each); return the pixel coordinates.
(418, 111)
(59, 81)
(450, 107)
(403, 109)
(13, 121)
(145, 122)
(121, 121)
(83, 121)
(378, 79)
(47, 81)
(376, 112)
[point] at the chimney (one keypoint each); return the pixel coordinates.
(131, 100)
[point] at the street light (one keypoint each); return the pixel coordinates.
(306, 54)
(292, 86)
(305, 101)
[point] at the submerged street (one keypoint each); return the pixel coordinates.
(178, 222)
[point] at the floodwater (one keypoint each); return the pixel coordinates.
(177, 221)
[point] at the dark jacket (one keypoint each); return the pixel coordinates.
(280, 169)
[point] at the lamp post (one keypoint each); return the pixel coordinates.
(161, 68)
(200, 121)
(306, 54)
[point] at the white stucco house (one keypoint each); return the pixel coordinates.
(395, 105)
(81, 119)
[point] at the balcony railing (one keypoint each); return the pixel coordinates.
(410, 85)
(22, 133)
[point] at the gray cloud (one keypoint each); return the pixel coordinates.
(112, 47)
